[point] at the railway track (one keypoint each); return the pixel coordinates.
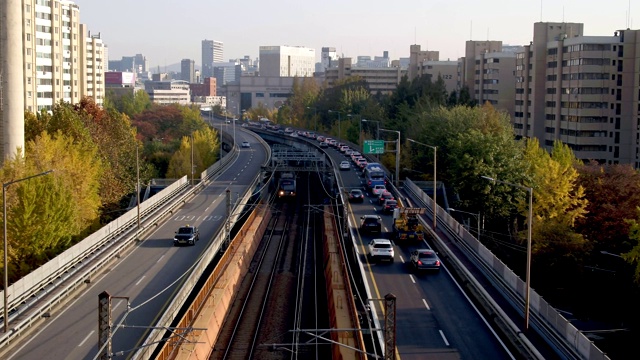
(283, 291)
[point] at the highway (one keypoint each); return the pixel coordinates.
(147, 275)
(434, 317)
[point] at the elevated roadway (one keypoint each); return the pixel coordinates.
(145, 277)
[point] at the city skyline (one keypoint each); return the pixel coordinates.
(439, 26)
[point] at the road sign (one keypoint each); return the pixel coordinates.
(373, 147)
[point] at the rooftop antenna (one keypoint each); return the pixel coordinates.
(629, 16)
(415, 36)
(540, 10)
(563, 14)
(487, 34)
(471, 31)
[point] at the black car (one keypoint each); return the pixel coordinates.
(186, 235)
(389, 205)
(425, 259)
(370, 224)
(356, 195)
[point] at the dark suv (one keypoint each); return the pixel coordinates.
(370, 224)
(186, 235)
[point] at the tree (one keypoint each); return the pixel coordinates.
(48, 213)
(613, 192)
(633, 256)
(205, 152)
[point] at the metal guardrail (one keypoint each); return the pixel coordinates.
(189, 284)
(38, 292)
(557, 330)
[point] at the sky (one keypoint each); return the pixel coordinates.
(166, 31)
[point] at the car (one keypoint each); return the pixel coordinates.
(324, 145)
(186, 235)
(245, 144)
(355, 155)
(389, 205)
(288, 130)
(370, 224)
(379, 249)
(320, 138)
(348, 152)
(376, 190)
(425, 259)
(356, 195)
(385, 195)
(344, 165)
(344, 148)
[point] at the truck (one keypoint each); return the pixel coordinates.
(406, 224)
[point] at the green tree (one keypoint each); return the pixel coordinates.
(633, 255)
(205, 152)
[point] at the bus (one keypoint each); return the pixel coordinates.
(374, 175)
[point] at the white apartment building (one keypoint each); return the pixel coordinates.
(287, 61)
(212, 52)
(61, 62)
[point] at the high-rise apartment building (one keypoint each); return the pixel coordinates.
(92, 62)
(494, 80)
(417, 57)
(52, 50)
(212, 52)
(380, 80)
(287, 61)
(188, 70)
(582, 90)
(473, 49)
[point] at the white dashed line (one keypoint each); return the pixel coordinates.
(426, 304)
(412, 279)
(159, 259)
(86, 338)
(116, 305)
(139, 281)
(401, 258)
(444, 338)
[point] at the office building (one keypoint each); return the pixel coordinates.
(287, 61)
(187, 70)
(382, 80)
(138, 64)
(328, 58)
(226, 72)
(168, 92)
(212, 52)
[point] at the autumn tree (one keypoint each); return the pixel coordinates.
(205, 152)
(613, 192)
(47, 214)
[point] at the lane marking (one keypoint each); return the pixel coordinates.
(142, 278)
(116, 305)
(444, 338)
(86, 338)
(413, 280)
(426, 304)
(401, 258)
(159, 259)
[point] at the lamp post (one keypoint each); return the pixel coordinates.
(529, 220)
(397, 155)
(477, 216)
(435, 183)
(377, 127)
(339, 132)
(5, 263)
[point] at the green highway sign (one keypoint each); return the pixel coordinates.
(373, 147)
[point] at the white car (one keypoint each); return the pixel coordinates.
(376, 190)
(380, 249)
(245, 144)
(344, 165)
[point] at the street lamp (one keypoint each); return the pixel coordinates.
(377, 127)
(4, 222)
(477, 216)
(397, 155)
(435, 184)
(528, 271)
(339, 132)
